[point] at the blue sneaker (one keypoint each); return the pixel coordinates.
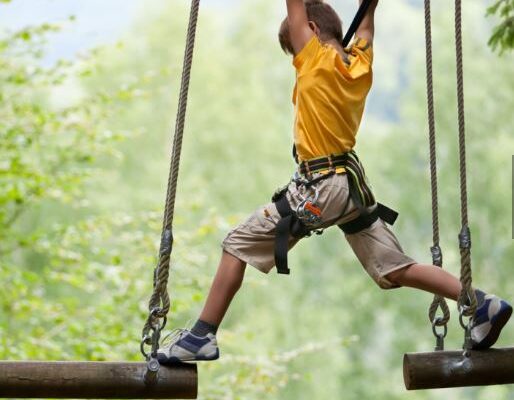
(184, 346)
(490, 317)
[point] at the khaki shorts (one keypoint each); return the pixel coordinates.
(376, 247)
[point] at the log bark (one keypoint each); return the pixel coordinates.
(445, 369)
(122, 380)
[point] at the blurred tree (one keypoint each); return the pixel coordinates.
(51, 137)
(503, 35)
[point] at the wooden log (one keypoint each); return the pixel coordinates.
(445, 369)
(80, 380)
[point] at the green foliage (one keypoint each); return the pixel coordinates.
(51, 134)
(502, 38)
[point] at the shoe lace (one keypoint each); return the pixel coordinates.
(174, 335)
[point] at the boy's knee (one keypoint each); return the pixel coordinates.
(397, 277)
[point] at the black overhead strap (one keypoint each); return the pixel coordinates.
(361, 13)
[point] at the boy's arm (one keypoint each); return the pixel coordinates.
(366, 29)
(299, 30)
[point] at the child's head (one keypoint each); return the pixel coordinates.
(323, 20)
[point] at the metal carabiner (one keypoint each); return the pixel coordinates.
(308, 211)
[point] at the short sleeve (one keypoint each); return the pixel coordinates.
(362, 49)
(306, 58)
(360, 57)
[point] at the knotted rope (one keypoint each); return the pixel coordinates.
(439, 302)
(159, 303)
(467, 299)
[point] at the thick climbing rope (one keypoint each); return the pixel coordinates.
(467, 299)
(159, 303)
(439, 302)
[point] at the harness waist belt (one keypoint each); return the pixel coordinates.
(322, 164)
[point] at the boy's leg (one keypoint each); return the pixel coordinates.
(428, 278)
(225, 285)
(200, 343)
(383, 258)
(251, 242)
(490, 317)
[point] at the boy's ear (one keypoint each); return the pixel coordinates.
(314, 28)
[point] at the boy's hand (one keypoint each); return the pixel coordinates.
(366, 29)
(299, 30)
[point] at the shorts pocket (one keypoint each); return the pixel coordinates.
(264, 220)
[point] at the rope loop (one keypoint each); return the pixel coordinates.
(439, 304)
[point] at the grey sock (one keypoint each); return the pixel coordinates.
(202, 328)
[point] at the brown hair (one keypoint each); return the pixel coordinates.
(323, 15)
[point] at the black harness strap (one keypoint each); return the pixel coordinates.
(387, 214)
(288, 225)
(282, 235)
(364, 221)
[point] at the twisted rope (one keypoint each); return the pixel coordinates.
(439, 302)
(159, 303)
(467, 299)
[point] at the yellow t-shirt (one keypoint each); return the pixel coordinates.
(329, 97)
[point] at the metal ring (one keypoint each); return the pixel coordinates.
(164, 321)
(439, 334)
(463, 324)
(142, 346)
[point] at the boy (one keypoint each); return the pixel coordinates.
(329, 188)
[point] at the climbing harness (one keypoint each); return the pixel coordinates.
(159, 303)
(307, 217)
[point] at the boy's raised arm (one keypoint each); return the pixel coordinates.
(366, 29)
(299, 29)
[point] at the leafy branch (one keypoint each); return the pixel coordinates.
(502, 38)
